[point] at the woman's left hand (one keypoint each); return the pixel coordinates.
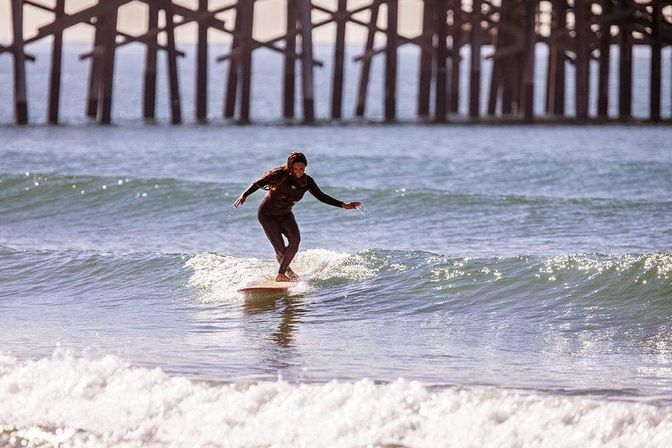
(240, 201)
(351, 205)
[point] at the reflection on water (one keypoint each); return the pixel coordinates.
(252, 339)
(290, 309)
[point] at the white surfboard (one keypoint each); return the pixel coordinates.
(267, 287)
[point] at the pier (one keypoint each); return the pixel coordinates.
(577, 33)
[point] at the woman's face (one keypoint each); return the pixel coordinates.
(298, 168)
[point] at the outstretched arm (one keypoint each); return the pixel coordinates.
(323, 197)
(241, 199)
(251, 189)
(267, 179)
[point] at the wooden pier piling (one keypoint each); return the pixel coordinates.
(174, 91)
(202, 66)
(475, 60)
(391, 61)
(582, 52)
(234, 61)
(149, 103)
(555, 92)
(307, 86)
(20, 87)
(604, 60)
(95, 70)
(509, 32)
(339, 63)
(426, 58)
(246, 9)
(440, 91)
(455, 33)
(529, 58)
(656, 63)
(625, 66)
(289, 80)
(55, 73)
(107, 67)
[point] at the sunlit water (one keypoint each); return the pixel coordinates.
(501, 286)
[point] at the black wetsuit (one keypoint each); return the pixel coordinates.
(275, 211)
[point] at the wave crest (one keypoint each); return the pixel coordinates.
(218, 276)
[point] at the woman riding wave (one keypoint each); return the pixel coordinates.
(286, 186)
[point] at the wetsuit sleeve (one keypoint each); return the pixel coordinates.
(251, 189)
(323, 197)
(267, 179)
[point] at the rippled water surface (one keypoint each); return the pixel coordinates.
(517, 256)
(510, 282)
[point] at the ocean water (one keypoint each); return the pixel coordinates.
(500, 286)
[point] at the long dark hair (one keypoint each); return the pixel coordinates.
(295, 157)
(286, 170)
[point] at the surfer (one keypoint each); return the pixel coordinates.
(286, 186)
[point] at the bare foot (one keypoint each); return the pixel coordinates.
(292, 275)
(282, 278)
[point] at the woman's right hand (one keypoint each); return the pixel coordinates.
(239, 201)
(351, 205)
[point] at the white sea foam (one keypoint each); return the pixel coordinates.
(70, 401)
(219, 276)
